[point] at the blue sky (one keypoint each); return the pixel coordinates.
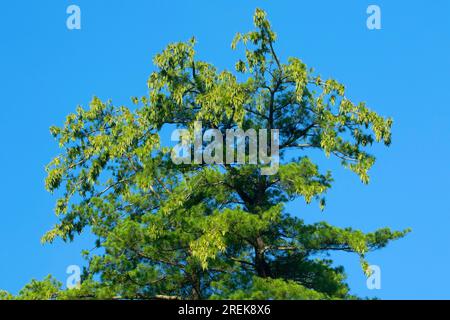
(401, 71)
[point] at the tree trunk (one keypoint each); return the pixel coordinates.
(262, 267)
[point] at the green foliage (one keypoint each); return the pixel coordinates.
(48, 289)
(273, 289)
(210, 231)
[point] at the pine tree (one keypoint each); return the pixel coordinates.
(197, 231)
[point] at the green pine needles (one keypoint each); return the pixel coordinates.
(216, 231)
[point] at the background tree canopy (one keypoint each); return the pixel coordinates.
(197, 231)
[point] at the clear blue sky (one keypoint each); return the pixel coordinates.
(401, 71)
